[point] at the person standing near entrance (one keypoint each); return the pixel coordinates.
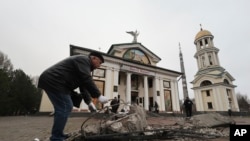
(188, 107)
(61, 79)
(229, 112)
(156, 107)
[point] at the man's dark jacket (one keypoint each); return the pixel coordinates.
(69, 74)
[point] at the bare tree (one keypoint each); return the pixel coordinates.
(243, 102)
(5, 63)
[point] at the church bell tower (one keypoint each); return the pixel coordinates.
(213, 85)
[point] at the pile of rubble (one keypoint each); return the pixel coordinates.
(134, 126)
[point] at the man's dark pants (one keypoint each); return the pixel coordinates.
(188, 111)
(62, 107)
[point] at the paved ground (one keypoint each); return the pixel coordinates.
(27, 128)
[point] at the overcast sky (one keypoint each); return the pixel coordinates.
(35, 34)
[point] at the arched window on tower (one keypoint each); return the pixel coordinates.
(210, 59)
(205, 83)
(225, 81)
(201, 45)
(206, 43)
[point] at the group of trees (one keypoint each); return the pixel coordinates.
(18, 95)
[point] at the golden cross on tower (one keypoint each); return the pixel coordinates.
(201, 27)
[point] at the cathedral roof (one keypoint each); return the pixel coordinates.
(212, 73)
(202, 33)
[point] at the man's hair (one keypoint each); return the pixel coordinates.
(97, 54)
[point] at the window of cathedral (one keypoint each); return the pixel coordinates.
(208, 93)
(210, 105)
(229, 93)
(136, 55)
(225, 81)
(206, 43)
(205, 83)
(99, 73)
(201, 45)
(166, 84)
(210, 59)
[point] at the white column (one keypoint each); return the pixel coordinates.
(176, 96)
(197, 102)
(146, 92)
(162, 96)
(128, 88)
(220, 106)
(234, 101)
(210, 42)
(215, 59)
(206, 60)
(155, 90)
(215, 99)
(198, 46)
(115, 77)
(198, 62)
(108, 83)
(200, 100)
(173, 98)
(203, 42)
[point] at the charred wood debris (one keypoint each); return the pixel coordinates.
(131, 125)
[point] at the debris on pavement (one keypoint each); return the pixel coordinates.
(134, 126)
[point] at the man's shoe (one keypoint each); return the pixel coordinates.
(66, 136)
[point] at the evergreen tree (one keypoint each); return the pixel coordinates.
(24, 94)
(18, 95)
(4, 91)
(243, 102)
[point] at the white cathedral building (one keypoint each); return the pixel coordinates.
(130, 73)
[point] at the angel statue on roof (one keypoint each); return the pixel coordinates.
(134, 34)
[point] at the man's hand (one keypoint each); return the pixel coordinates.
(103, 99)
(92, 107)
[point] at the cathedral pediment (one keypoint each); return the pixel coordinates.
(135, 52)
(229, 76)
